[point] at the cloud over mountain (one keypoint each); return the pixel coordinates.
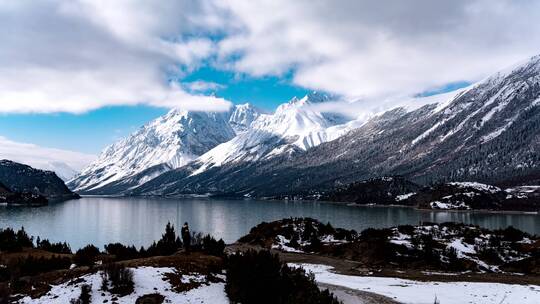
(75, 56)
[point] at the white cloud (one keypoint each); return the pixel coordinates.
(376, 49)
(75, 56)
(203, 86)
(79, 55)
(65, 163)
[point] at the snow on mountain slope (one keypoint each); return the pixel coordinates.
(168, 142)
(293, 126)
(488, 132)
(242, 116)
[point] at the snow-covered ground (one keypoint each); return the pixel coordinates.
(147, 280)
(477, 186)
(416, 292)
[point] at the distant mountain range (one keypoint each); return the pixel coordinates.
(488, 132)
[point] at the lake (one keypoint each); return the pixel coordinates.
(139, 221)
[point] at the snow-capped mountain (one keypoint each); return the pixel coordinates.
(488, 132)
(168, 142)
(242, 116)
(294, 126)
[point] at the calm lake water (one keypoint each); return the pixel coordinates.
(139, 221)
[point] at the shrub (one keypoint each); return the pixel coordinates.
(119, 277)
(85, 297)
(211, 246)
(314, 244)
(5, 294)
(406, 229)
(153, 298)
(31, 266)
(260, 277)
(429, 253)
(86, 255)
(470, 235)
(53, 247)
(12, 241)
(454, 263)
(375, 234)
(122, 252)
(489, 255)
(168, 244)
(512, 234)
(5, 273)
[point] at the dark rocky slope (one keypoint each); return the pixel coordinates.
(21, 178)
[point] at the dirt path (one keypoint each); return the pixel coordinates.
(353, 296)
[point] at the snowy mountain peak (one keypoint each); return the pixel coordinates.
(242, 116)
(170, 141)
(310, 98)
(295, 125)
(317, 97)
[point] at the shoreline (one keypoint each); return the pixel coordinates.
(349, 204)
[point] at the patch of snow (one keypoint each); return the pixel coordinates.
(282, 245)
(477, 186)
(523, 189)
(147, 280)
(497, 132)
(403, 197)
(449, 205)
(461, 248)
(329, 239)
(417, 292)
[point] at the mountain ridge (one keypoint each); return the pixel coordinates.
(487, 132)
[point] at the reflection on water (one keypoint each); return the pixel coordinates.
(139, 221)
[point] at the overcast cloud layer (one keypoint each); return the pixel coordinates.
(74, 56)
